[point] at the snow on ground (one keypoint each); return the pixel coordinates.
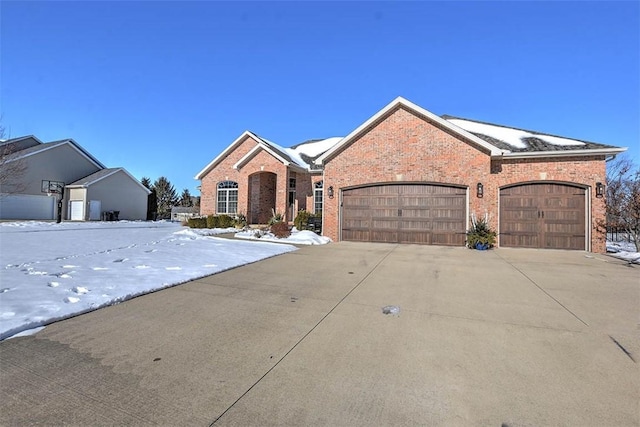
(623, 250)
(52, 271)
(304, 237)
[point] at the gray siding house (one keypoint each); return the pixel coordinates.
(42, 176)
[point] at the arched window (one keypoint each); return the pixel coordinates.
(227, 197)
(317, 197)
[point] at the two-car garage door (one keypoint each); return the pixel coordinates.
(405, 213)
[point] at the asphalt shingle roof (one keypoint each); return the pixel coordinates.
(527, 140)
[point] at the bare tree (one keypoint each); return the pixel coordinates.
(11, 167)
(623, 198)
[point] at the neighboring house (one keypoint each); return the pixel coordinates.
(407, 175)
(183, 213)
(63, 171)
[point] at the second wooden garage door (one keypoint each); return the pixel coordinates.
(405, 213)
(543, 216)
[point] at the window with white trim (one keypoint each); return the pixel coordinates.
(227, 197)
(317, 197)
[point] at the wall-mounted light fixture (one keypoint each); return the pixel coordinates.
(599, 189)
(480, 190)
(330, 192)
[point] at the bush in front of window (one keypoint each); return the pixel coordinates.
(225, 221)
(197, 222)
(212, 221)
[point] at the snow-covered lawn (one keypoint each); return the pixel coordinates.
(52, 271)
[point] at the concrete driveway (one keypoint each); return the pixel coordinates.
(501, 337)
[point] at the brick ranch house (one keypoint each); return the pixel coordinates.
(407, 175)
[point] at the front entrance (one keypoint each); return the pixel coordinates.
(405, 213)
(543, 215)
(262, 197)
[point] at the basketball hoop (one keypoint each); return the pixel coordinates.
(52, 187)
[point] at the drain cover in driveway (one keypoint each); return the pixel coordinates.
(391, 309)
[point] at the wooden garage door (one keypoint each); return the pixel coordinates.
(543, 216)
(405, 213)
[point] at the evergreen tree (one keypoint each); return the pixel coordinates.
(166, 197)
(185, 198)
(146, 181)
(152, 200)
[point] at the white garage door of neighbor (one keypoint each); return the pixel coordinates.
(77, 210)
(26, 206)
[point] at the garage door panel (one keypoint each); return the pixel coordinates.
(407, 213)
(356, 234)
(26, 206)
(383, 236)
(543, 216)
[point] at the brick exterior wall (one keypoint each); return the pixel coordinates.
(400, 147)
(406, 148)
(262, 197)
(260, 163)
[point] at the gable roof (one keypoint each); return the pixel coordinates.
(42, 147)
(239, 140)
(102, 174)
(527, 143)
(495, 140)
(273, 149)
(397, 103)
(299, 156)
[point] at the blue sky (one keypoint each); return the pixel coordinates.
(161, 88)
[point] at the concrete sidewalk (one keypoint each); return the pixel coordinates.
(516, 337)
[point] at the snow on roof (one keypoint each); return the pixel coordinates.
(303, 154)
(315, 148)
(514, 137)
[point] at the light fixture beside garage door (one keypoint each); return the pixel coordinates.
(599, 189)
(480, 190)
(330, 192)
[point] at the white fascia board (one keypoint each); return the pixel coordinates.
(400, 101)
(262, 146)
(224, 153)
(563, 153)
(244, 159)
